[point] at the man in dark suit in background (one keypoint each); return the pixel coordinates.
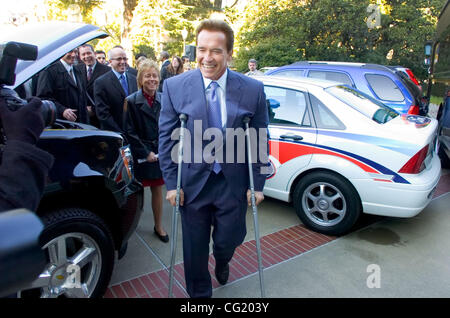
(213, 193)
(100, 56)
(63, 84)
(111, 89)
(164, 58)
(90, 70)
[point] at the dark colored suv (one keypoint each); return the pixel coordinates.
(92, 203)
(375, 80)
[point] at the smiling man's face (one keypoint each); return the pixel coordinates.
(212, 54)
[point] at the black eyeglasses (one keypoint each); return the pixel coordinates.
(121, 59)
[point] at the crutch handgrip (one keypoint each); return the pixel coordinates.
(183, 117)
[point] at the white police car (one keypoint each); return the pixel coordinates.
(336, 153)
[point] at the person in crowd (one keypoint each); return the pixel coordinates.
(175, 67)
(130, 69)
(139, 60)
(100, 56)
(186, 63)
(164, 59)
(213, 193)
(137, 56)
(141, 115)
(24, 167)
(63, 84)
(111, 89)
(252, 66)
(90, 70)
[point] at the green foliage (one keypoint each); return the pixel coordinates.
(59, 8)
(158, 24)
(336, 31)
(276, 32)
(145, 49)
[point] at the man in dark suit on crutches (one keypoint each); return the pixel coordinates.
(214, 192)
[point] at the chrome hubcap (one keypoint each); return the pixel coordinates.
(73, 270)
(324, 204)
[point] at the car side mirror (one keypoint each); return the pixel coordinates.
(273, 103)
(21, 256)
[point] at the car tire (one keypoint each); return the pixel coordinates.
(326, 203)
(80, 254)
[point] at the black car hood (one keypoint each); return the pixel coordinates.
(53, 39)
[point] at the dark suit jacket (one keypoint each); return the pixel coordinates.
(99, 70)
(164, 64)
(185, 93)
(141, 128)
(109, 98)
(55, 84)
(163, 73)
(132, 70)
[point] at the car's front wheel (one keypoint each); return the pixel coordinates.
(80, 256)
(326, 203)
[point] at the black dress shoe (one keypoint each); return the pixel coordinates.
(222, 273)
(164, 238)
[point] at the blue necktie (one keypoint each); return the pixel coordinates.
(124, 84)
(214, 115)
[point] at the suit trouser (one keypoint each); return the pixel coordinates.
(215, 206)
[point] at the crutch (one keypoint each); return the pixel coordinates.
(176, 208)
(255, 210)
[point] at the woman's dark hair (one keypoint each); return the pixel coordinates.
(179, 69)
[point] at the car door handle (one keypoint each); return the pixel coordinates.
(293, 137)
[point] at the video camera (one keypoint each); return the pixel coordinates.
(9, 54)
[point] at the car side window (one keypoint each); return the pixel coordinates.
(331, 76)
(385, 88)
(323, 116)
(287, 106)
(290, 73)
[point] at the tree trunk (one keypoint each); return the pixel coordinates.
(217, 4)
(128, 6)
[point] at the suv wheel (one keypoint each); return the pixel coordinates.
(80, 255)
(326, 203)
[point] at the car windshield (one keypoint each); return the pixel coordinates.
(363, 103)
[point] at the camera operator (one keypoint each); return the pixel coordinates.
(24, 166)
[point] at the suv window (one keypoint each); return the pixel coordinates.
(331, 76)
(287, 106)
(290, 73)
(385, 88)
(323, 116)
